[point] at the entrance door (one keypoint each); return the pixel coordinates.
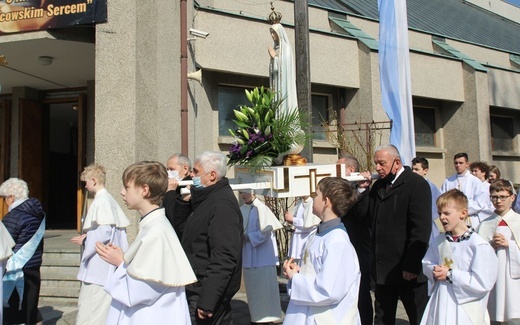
(65, 155)
(66, 160)
(30, 161)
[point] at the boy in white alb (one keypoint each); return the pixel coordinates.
(105, 222)
(460, 266)
(259, 259)
(502, 231)
(148, 284)
(6, 250)
(305, 224)
(324, 288)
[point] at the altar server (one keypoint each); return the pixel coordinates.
(324, 287)
(259, 259)
(148, 284)
(460, 266)
(479, 205)
(105, 222)
(502, 231)
(304, 222)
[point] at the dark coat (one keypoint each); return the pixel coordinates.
(22, 223)
(401, 227)
(212, 239)
(357, 221)
(169, 203)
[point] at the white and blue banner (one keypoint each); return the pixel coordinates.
(394, 73)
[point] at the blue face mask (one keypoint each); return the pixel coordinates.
(196, 182)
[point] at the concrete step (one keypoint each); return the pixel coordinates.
(58, 272)
(63, 292)
(57, 301)
(61, 258)
(60, 283)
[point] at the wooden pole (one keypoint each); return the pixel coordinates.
(303, 73)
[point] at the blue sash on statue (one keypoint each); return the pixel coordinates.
(13, 277)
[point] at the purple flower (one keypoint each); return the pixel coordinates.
(235, 148)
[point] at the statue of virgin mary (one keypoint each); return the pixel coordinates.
(282, 71)
(282, 76)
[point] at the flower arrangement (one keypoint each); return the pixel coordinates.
(263, 133)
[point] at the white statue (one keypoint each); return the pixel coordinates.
(282, 71)
(282, 77)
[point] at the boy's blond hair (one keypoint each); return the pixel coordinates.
(150, 173)
(453, 196)
(94, 171)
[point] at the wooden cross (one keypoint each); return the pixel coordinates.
(448, 263)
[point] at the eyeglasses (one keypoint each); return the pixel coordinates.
(495, 198)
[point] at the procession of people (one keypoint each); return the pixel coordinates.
(451, 255)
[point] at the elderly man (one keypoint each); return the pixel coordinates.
(358, 224)
(178, 167)
(400, 207)
(212, 240)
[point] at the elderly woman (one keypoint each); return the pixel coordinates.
(25, 222)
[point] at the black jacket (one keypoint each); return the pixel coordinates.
(401, 227)
(357, 221)
(22, 223)
(169, 203)
(212, 239)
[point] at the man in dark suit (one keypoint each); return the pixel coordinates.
(357, 222)
(400, 207)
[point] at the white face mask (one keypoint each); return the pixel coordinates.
(173, 174)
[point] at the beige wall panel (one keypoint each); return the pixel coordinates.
(319, 19)
(429, 78)
(482, 54)
(368, 26)
(237, 46)
(504, 88)
(420, 41)
(508, 169)
(325, 49)
(324, 158)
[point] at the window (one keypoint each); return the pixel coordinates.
(502, 133)
(228, 99)
(320, 115)
(424, 124)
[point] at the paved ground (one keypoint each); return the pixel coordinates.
(65, 314)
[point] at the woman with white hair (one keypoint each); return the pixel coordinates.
(26, 224)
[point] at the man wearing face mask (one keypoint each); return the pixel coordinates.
(212, 239)
(178, 167)
(400, 208)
